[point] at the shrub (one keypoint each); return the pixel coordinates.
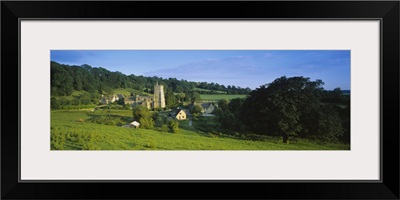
(57, 140)
(126, 107)
(146, 123)
(174, 126)
(211, 135)
(164, 128)
(158, 121)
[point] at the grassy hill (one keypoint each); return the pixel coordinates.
(216, 97)
(128, 91)
(206, 90)
(73, 130)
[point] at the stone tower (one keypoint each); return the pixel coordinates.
(159, 99)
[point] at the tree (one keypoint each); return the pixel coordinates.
(107, 90)
(61, 81)
(55, 104)
(323, 123)
(181, 96)
(223, 104)
(188, 97)
(235, 106)
(143, 115)
(290, 107)
(196, 109)
(160, 120)
(146, 123)
(229, 116)
(78, 83)
(139, 112)
(195, 97)
(121, 101)
(174, 126)
(226, 119)
(170, 98)
(97, 81)
(178, 89)
(335, 96)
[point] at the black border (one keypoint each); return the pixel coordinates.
(204, 181)
(387, 11)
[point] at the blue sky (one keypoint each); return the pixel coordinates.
(244, 68)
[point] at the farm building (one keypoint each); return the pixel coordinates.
(179, 114)
(207, 107)
(135, 124)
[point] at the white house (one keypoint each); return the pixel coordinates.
(180, 114)
(135, 124)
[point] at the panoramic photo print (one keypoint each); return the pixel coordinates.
(200, 100)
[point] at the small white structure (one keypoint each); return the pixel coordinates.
(135, 124)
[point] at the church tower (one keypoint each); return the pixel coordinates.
(159, 99)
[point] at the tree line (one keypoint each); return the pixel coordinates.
(290, 108)
(65, 79)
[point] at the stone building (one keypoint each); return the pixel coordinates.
(110, 99)
(146, 101)
(150, 102)
(206, 107)
(159, 99)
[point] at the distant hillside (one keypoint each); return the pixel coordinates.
(207, 91)
(65, 79)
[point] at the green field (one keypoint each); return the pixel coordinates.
(215, 97)
(127, 92)
(206, 90)
(76, 130)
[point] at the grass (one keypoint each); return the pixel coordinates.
(127, 92)
(215, 97)
(73, 95)
(74, 130)
(206, 90)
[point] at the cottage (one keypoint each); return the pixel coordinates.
(179, 114)
(208, 108)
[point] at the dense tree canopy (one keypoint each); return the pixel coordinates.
(142, 114)
(65, 79)
(291, 107)
(196, 109)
